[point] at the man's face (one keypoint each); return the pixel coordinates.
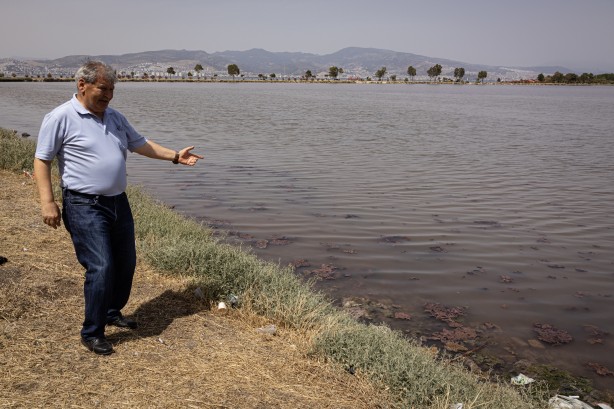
(96, 97)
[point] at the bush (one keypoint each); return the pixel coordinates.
(17, 153)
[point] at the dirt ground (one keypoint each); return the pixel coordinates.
(184, 353)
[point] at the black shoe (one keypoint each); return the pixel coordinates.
(122, 322)
(98, 346)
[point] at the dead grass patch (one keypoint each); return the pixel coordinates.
(184, 354)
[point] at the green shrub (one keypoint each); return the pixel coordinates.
(16, 153)
(413, 374)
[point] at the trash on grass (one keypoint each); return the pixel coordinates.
(199, 293)
(270, 329)
(567, 402)
(522, 380)
(233, 300)
(221, 305)
(456, 406)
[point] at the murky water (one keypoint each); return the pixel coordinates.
(495, 198)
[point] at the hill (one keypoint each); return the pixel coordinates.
(355, 61)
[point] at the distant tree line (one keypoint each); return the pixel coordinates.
(433, 72)
(572, 78)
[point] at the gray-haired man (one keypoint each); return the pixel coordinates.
(91, 141)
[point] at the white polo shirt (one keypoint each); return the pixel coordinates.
(91, 152)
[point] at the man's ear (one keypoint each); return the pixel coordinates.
(81, 85)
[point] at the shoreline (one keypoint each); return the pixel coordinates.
(315, 81)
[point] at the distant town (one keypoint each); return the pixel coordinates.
(333, 75)
(348, 65)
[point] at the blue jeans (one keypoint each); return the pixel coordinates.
(102, 231)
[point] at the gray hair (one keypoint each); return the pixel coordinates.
(90, 71)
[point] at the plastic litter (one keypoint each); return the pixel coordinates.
(456, 406)
(199, 293)
(270, 329)
(233, 300)
(221, 305)
(522, 379)
(567, 402)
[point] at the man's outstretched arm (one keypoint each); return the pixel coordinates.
(156, 151)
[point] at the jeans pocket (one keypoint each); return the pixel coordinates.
(82, 200)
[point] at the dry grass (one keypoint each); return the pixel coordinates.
(184, 354)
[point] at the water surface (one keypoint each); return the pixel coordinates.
(494, 198)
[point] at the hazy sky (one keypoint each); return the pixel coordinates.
(578, 34)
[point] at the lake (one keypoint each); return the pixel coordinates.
(497, 200)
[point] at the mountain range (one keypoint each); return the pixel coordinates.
(355, 61)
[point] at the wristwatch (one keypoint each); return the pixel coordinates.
(176, 159)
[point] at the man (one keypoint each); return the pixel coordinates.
(91, 142)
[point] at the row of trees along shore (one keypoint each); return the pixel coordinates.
(433, 72)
